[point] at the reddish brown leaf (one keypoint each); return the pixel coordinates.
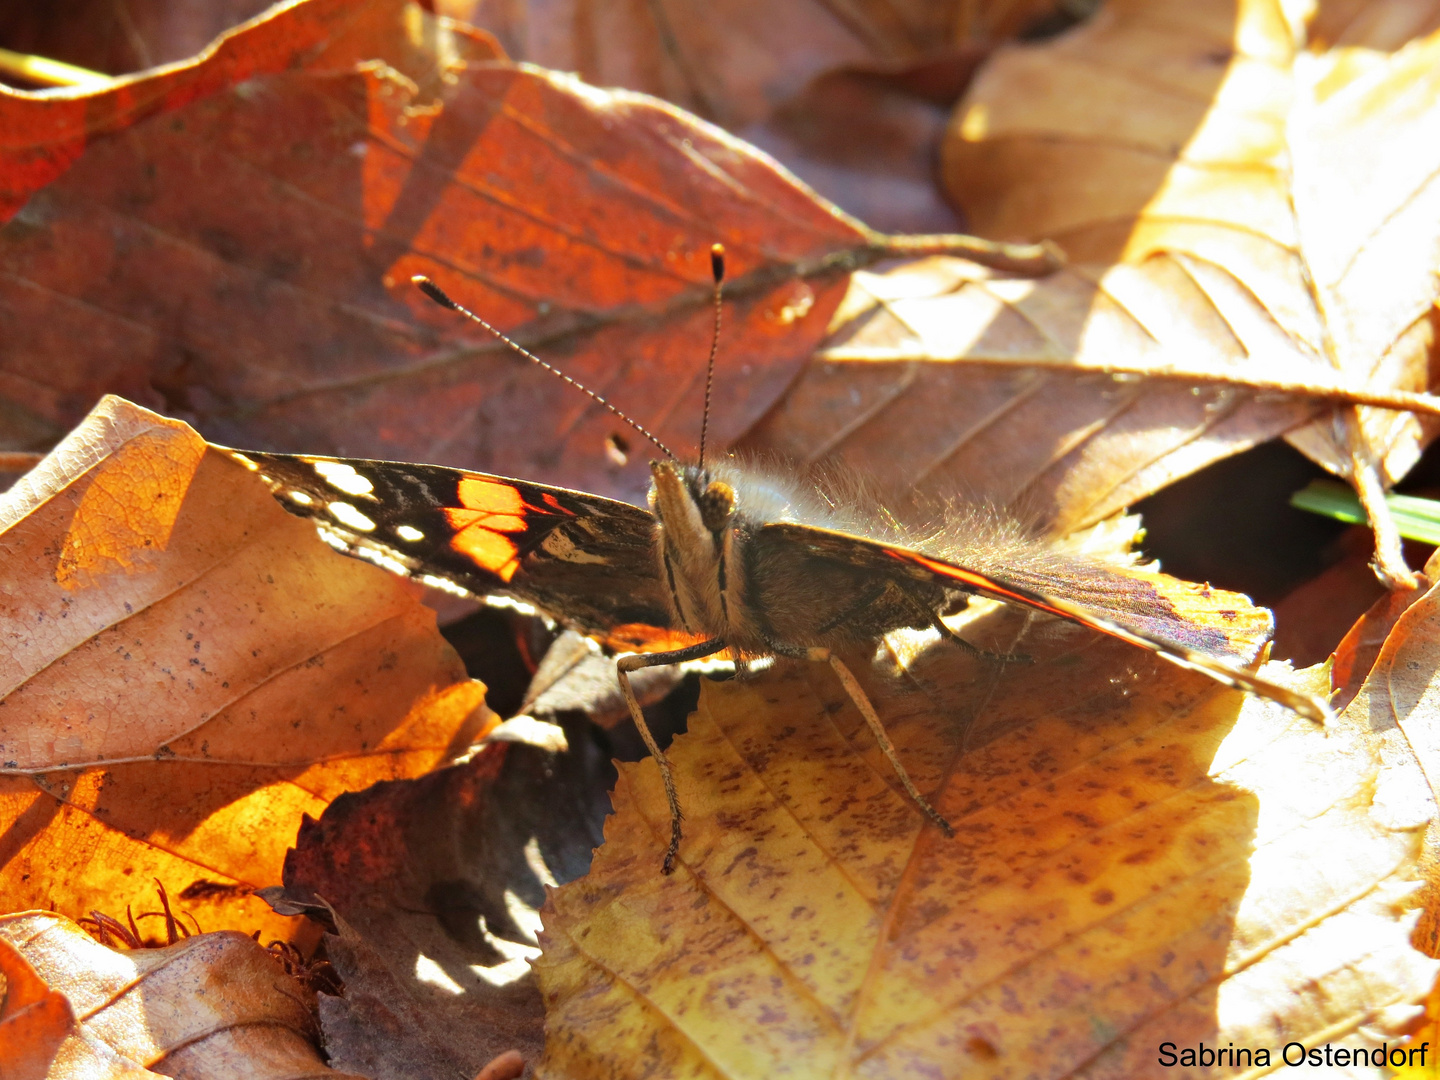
(246, 263)
(41, 136)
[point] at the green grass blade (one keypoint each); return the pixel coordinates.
(1417, 519)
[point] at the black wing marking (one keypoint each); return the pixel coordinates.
(586, 560)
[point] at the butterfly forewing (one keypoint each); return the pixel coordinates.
(1185, 623)
(580, 557)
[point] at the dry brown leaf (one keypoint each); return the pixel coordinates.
(1072, 397)
(188, 671)
(735, 63)
(434, 886)
(943, 378)
(1283, 203)
(853, 100)
(1135, 863)
(1400, 706)
(211, 1006)
(868, 140)
(243, 261)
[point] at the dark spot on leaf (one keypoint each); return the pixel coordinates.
(981, 1048)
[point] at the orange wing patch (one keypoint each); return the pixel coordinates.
(645, 638)
(487, 511)
(499, 506)
(491, 551)
(985, 584)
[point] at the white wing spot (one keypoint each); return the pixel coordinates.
(346, 514)
(444, 585)
(299, 497)
(409, 532)
(343, 477)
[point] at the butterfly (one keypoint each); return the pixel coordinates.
(730, 557)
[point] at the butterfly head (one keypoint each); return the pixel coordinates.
(689, 498)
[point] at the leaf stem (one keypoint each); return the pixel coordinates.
(42, 71)
(1035, 260)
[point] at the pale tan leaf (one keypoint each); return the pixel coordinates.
(1240, 215)
(1066, 398)
(211, 1006)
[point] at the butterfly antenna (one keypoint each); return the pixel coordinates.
(434, 292)
(717, 271)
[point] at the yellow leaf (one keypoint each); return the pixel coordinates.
(1140, 857)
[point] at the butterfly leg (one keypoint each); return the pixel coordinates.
(634, 662)
(872, 721)
(926, 612)
(975, 650)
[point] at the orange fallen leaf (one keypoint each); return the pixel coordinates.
(35, 1021)
(244, 259)
(213, 1005)
(42, 135)
(1135, 863)
(1280, 202)
(188, 671)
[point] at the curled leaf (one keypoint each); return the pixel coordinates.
(215, 1005)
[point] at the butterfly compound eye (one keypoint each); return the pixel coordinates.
(717, 505)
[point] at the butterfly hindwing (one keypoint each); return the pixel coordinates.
(581, 557)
